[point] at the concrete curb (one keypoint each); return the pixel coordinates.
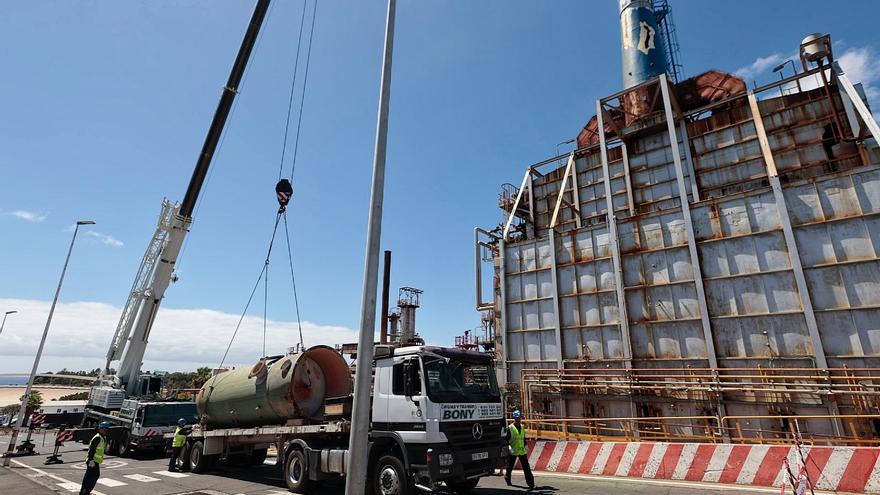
(841, 469)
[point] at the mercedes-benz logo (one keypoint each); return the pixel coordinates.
(477, 431)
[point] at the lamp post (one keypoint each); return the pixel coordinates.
(781, 66)
(356, 469)
(4, 319)
(22, 412)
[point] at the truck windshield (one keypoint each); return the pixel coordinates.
(168, 414)
(460, 381)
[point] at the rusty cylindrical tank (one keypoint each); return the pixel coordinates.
(270, 393)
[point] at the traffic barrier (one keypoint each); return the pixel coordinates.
(841, 469)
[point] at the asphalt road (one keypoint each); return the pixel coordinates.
(148, 476)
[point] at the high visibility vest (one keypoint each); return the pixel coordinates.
(99, 450)
(517, 440)
(179, 439)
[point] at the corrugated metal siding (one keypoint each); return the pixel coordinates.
(755, 311)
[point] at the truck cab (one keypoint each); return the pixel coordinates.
(149, 421)
(441, 409)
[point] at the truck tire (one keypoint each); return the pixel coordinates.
(464, 486)
(296, 472)
(113, 447)
(183, 464)
(390, 477)
(198, 461)
(125, 448)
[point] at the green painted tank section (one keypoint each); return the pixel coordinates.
(271, 393)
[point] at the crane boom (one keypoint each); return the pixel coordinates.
(157, 267)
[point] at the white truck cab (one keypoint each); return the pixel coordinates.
(442, 407)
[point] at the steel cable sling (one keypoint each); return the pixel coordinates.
(284, 193)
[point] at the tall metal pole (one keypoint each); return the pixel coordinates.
(356, 470)
(22, 412)
(4, 319)
(386, 288)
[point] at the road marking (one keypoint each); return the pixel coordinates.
(109, 464)
(686, 484)
(140, 477)
(171, 474)
(56, 478)
(110, 482)
(69, 486)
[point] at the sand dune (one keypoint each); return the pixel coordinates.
(11, 394)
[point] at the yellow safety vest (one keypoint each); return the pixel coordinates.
(179, 439)
(99, 450)
(517, 440)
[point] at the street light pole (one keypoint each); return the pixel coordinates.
(27, 391)
(4, 319)
(356, 470)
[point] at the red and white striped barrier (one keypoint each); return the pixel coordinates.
(841, 469)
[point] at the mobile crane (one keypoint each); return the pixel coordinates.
(126, 398)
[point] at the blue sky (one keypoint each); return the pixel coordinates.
(105, 106)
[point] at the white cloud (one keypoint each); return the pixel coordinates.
(761, 65)
(28, 216)
(181, 339)
(105, 238)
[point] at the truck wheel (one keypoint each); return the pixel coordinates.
(199, 462)
(125, 445)
(113, 447)
(390, 477)
(464, 486)
(183, 459)
(296, 472)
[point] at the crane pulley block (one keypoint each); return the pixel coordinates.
(283, 191)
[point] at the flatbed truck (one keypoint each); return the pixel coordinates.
(436, 421)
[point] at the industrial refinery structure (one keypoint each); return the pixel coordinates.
(733, 291)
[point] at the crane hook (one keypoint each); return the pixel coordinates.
(283, 192)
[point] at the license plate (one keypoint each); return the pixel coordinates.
(479, 456)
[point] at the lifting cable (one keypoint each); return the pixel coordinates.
(263, 273)
(284, 192)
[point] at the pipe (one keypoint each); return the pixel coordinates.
(386, 287)
(642, 56)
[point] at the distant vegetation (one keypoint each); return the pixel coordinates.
(51, 380)
(76, 396)
(181, 380)
(172, 381)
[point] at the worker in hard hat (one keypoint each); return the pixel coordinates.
(516, 437)
(94, 459)
(177, 442)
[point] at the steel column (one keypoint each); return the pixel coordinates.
(526, 180)
(612, 241)
(554, 281)
(631, 203)
(689, 160)
(689, 226)
(561, 195)
(502, 315)
(793, 253)
(531, 196)
(575, 194)
(857, 101)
